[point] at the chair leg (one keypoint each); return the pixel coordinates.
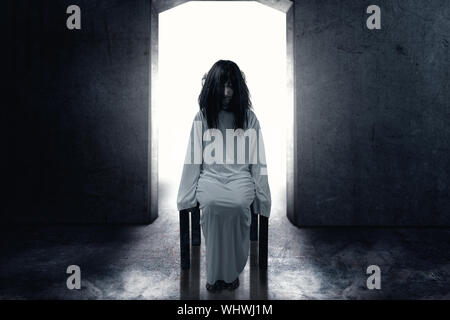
(254, 227)
(195, 225)
(263, 241)
(184, 240)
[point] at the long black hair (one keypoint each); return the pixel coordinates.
(212, 93)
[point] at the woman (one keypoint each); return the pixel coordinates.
(225, 187)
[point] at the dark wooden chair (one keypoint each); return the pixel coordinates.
(195, 235)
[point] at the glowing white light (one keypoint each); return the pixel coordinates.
(192, 37)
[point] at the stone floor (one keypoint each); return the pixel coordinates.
(142, 262)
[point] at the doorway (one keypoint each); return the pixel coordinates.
(189, 39)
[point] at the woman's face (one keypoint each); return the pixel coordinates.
(227, 94)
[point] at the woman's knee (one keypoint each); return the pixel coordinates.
(239, 203)
(209, 203)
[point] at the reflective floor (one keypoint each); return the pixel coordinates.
(142, 262)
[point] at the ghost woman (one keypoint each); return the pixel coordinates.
(222, 179)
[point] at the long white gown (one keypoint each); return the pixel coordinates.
(225, 192)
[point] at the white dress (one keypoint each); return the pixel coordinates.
(225, 192)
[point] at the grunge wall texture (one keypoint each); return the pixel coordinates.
(79, 114)
(372, 113)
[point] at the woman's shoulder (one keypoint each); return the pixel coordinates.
(199, 116)
(252, 119)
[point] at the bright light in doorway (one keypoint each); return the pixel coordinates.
(192, 37)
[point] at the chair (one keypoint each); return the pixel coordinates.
(196, 235)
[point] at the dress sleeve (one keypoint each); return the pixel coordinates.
(191, 167)
(262, 203)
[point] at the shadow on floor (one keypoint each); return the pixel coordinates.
(191, 279)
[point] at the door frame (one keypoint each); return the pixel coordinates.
(158, 6)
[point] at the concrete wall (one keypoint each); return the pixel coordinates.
(78, 112)
(372, 113)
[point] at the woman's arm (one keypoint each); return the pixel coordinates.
(192, 167)
(262, 203)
